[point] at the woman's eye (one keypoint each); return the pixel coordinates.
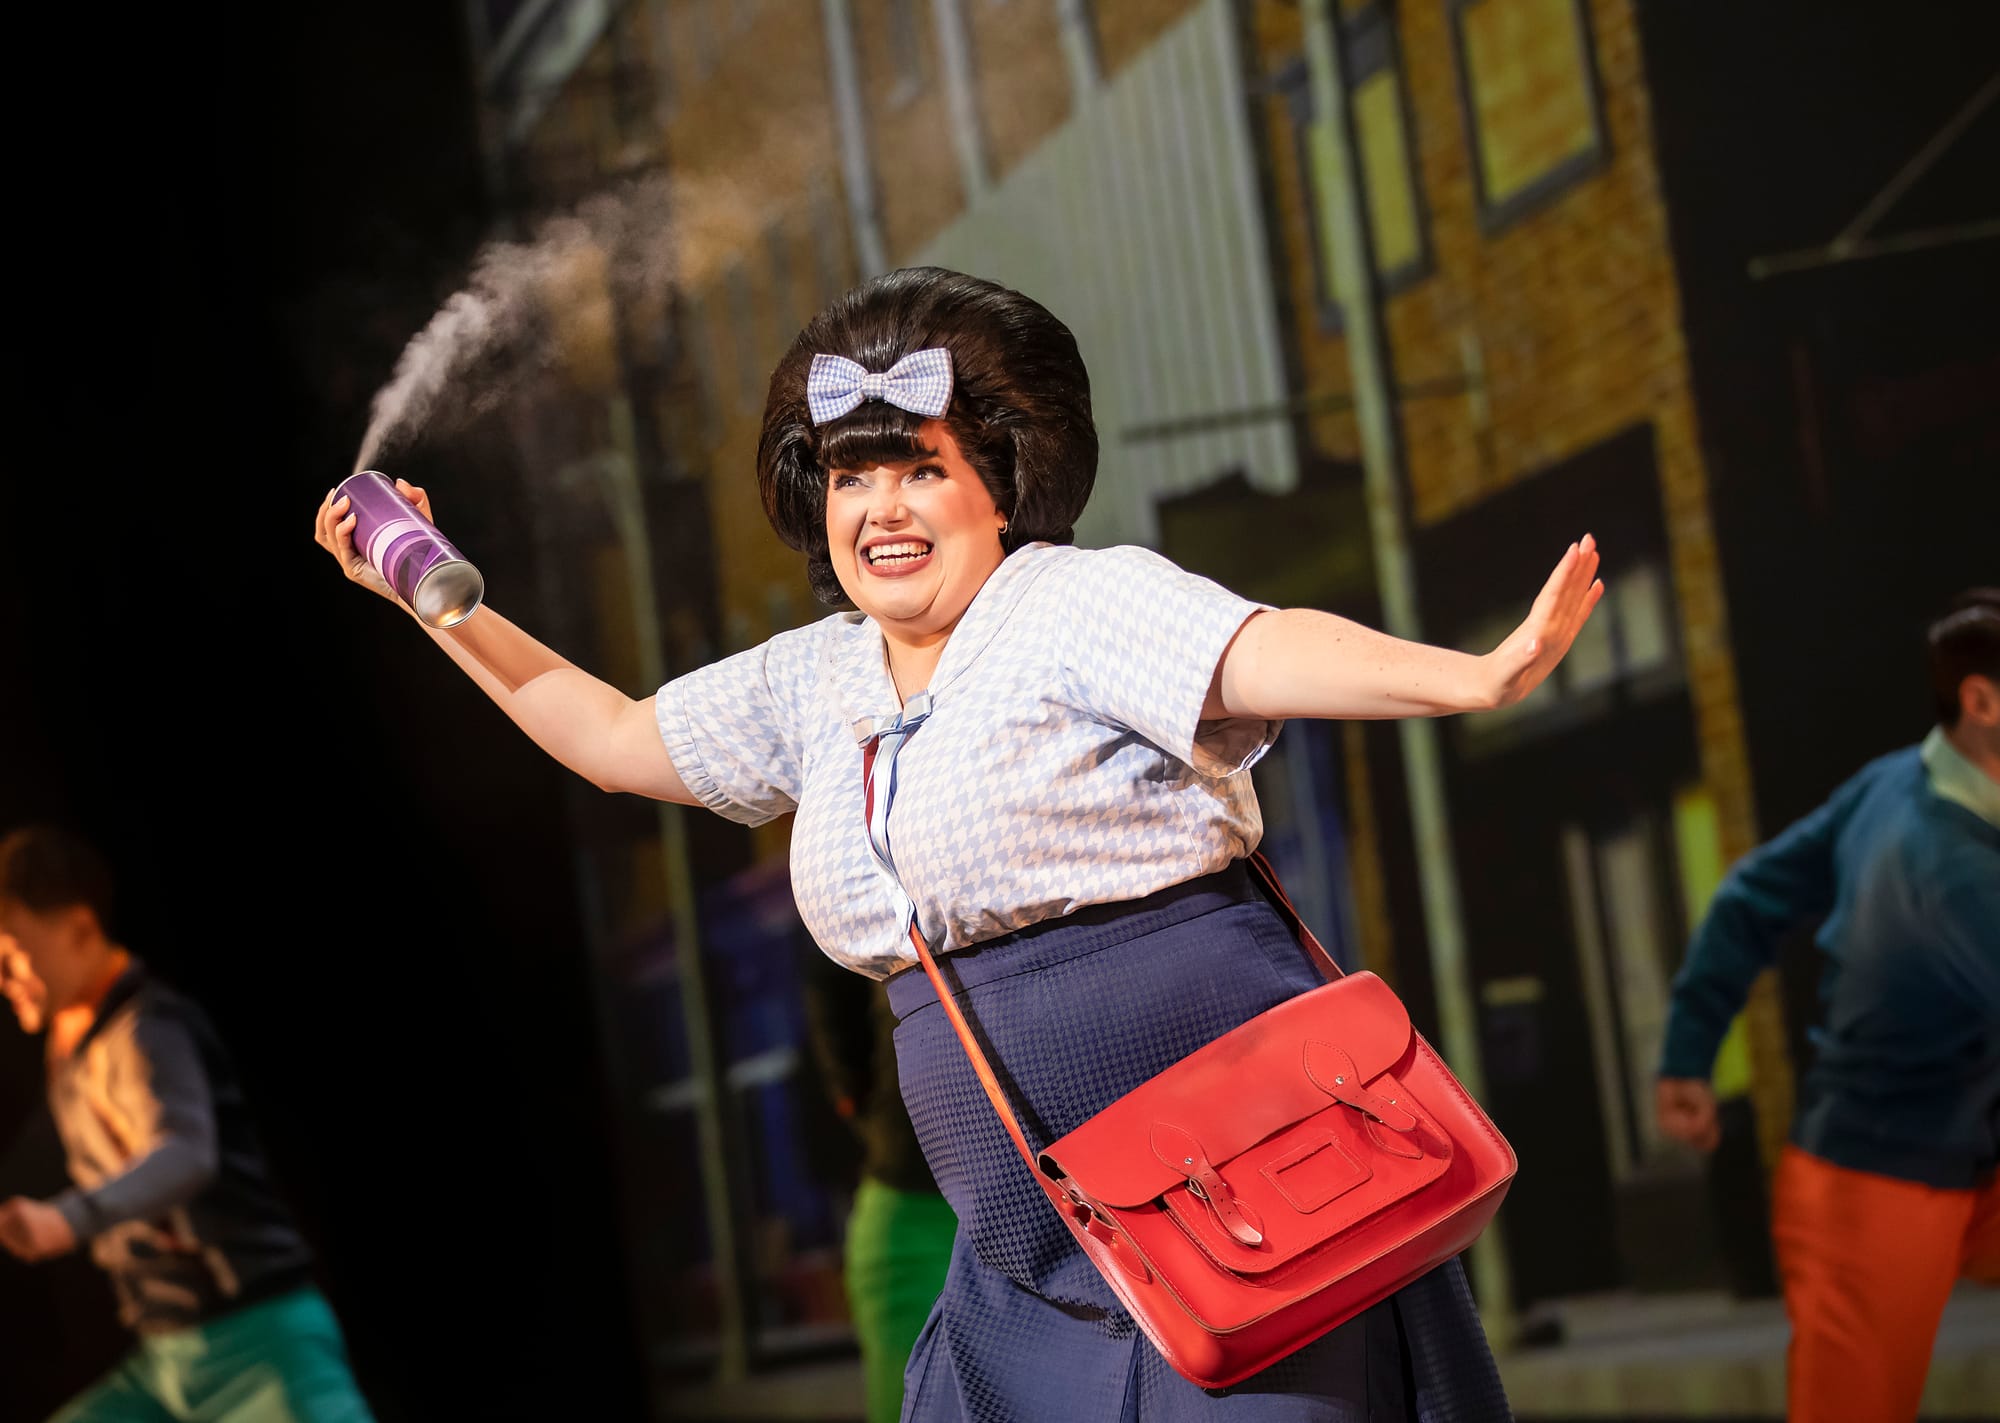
(845, 481)
(929, 470)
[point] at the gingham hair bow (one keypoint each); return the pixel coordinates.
(919, 383)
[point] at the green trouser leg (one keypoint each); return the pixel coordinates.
(898, 1245)
(281, 1361)
(119, 1397)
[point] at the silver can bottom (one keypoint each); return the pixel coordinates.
(449, 594)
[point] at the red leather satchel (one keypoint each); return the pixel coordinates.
(1277, 1182)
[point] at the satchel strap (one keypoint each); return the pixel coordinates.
(1267, 880)
(880, 745)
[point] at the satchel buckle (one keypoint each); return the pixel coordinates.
(1181, 1149)
(1334, 1073)
(1083, 1206)
(1092, 1217)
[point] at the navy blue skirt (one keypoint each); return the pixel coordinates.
(1074, 1013)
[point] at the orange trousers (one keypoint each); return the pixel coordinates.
(1867, 1263)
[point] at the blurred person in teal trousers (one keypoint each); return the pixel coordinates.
(170, 1190)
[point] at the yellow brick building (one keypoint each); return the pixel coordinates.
(1533, 321)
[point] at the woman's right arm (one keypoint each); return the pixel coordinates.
(608, 738)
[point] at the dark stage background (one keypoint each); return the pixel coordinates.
(227, 223)
(321, 829)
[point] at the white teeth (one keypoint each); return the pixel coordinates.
(894, 553)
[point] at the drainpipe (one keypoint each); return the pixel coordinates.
(857, 170)
(961, 92)
(1343, 217)
(1079, 42)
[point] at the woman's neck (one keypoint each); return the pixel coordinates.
(912, 665)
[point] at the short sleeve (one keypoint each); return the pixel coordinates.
(732, 727)
(1141, 641)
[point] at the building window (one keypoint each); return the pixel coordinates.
(1383, 147)
(1529, 90)
(1624, 884)
(1293, 85)
(1382, 142)
(1627, 651)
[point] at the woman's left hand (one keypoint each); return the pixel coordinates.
(1517, 666)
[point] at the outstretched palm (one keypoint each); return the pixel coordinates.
(1532, 650)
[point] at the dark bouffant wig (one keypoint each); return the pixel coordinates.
(1020, 408)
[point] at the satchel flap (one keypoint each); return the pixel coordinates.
(1233, 1093)
(1310, 1185)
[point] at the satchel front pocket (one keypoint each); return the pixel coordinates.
(1311, 1175)
(1304, 1187)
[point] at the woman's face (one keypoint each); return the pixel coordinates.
(913, 542)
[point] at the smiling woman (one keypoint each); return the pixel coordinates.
(1036, 758)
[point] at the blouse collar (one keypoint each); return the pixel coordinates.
(855, 665)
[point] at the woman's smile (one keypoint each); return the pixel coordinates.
(895, 557)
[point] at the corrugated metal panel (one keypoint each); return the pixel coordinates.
(1139, 223)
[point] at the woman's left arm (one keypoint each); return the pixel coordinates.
(1299, 662)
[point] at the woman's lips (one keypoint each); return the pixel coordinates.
(893, 560)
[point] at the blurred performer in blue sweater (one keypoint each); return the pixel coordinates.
(1886, 1194)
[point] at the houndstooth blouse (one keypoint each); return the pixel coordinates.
(1063, 763)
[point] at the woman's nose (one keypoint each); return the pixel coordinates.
(885, 504)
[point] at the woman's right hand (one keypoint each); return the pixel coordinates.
(333, 530)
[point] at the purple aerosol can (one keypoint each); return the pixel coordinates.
(428, 574)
